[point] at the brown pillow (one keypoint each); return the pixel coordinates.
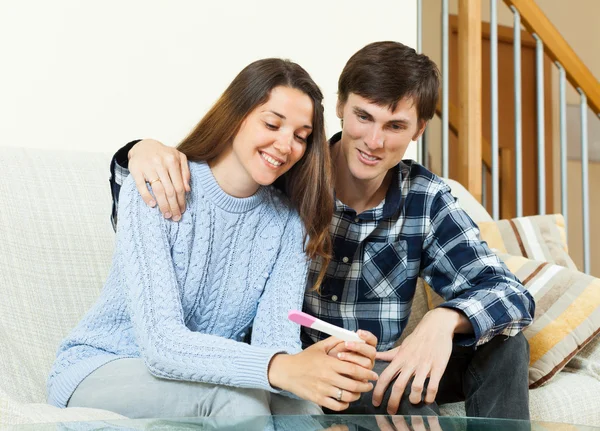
(536, 237)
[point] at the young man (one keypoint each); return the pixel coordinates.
(395, 221)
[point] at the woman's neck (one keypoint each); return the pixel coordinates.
(232, 177)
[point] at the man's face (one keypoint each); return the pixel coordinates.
(374, 139)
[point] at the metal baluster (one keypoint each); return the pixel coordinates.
(445, 85)
(585, 192)
(518, 115)
(494, 108)
(562, 100)
(484, 172)
(541, 150)
(421, 155)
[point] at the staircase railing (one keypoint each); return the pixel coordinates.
(475, 157)
(571, 68)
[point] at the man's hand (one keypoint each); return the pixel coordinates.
(149, 161)
(423, 354)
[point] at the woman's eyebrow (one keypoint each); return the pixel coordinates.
(278, 114)
(283, 117)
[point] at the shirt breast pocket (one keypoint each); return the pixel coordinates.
(384, 269)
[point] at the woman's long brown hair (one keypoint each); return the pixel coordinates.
(308, 182)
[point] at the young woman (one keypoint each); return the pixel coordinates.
(165, 337)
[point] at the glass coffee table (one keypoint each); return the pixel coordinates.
(307, 423)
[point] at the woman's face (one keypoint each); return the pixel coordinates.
(273, 136)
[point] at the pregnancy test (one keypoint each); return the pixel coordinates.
(312, 322)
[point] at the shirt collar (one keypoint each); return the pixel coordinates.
(393, 197)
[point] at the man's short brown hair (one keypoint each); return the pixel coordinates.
(386, 72)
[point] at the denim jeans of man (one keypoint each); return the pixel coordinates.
(492, 380)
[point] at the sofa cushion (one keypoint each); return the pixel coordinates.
(56, 248)
(567, 315)
(535, 237)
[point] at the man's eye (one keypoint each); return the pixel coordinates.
(362, 117)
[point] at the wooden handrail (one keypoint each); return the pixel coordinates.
(505, 34)
(535, 21)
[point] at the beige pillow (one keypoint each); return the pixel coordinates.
(536, 237)
(567, 315)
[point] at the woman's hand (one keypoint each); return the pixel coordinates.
(316, 376)
(362, 354)
(168, 172)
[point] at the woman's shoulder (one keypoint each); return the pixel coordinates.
(200, 175)
(198, 169)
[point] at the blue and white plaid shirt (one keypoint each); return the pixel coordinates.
(419, 230)
(118, 172)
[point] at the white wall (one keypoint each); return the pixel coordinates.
(91, 75)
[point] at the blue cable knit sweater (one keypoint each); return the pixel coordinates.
(182, 295)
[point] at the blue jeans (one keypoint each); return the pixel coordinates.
(492, 380)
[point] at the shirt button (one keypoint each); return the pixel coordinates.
(345, 259)
(356, 220)
(334, 298)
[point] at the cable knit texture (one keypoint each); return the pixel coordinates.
(182, 295)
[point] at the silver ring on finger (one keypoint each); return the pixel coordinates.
(339, 394)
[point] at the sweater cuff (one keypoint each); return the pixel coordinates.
(254, 367)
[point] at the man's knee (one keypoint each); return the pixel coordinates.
(513, 351)
(502, 359)
(520, 344)
(497, 382)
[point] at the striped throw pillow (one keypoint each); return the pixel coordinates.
(567, 315)
(535, 237)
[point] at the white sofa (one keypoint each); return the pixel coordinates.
(55, 251)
